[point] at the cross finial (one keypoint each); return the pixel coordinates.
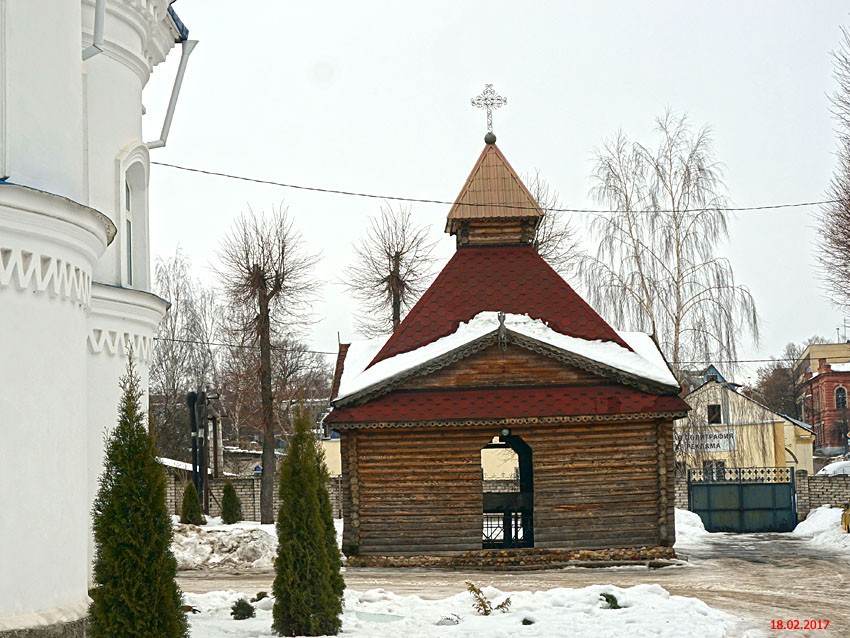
(489, 100)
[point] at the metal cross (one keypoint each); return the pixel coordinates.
(489, 100)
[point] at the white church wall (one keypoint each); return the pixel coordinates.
(120, 319)
(44, 144)
(48, 247)
(71, 128)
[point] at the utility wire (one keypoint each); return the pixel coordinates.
(325, 352)
(237, 345)
(416, 200)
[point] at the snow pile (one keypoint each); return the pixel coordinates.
(245, 545)
(689, 528)
(823, 527)
(645, 361)
(647, 610)
(229, 546)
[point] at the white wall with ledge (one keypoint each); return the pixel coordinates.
(74, 280)
(48, 248)
(120, 320)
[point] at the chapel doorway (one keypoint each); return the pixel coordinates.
(508, 490)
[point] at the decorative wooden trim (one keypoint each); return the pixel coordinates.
(590, 418)
(42, 273)
(510, 337)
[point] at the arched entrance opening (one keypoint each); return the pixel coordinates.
(508, 491)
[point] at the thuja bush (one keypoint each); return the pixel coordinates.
(308, 586)
(231, 507)
(190, 510)
(242, 610)
(134, 569)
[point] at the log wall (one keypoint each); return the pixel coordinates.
(409, 491)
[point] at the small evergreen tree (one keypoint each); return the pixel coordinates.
(135, 594)
(231, 507)
(190, 510)
(308, 586)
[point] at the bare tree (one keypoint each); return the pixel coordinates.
(183, 359)
(555, 239)
(391, 269)
(266, 272)
(656, 267)
(834, 221)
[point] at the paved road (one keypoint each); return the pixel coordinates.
(756, 577)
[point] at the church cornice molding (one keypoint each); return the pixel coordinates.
(150, 25)
(24, 270)
(121, 319)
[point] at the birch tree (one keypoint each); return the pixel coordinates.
(183, 359)
(656, 268)
(267, 274)
(555, 238)
(392, 268)
(834, 222)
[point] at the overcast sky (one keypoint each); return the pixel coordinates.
(374, 97)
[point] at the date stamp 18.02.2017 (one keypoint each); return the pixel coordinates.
(795, 624)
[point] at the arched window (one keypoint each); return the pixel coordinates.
(840, 398)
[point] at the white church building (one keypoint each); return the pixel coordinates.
(75, 285)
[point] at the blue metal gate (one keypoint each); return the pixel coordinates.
(748, 499)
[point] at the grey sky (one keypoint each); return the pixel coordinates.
(374, 97)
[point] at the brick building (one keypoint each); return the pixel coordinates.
(824, 381)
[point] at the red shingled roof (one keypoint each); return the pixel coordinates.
(495, 403)
(513, 279)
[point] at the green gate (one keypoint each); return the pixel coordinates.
(748, 499)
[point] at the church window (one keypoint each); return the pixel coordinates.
(840, 398)
(129, 240)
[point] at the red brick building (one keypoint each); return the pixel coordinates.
(823, 400)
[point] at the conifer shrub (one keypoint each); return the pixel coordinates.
(242, 610)
(190, 510)
(231, 507)
(134, 569)
(308, 586)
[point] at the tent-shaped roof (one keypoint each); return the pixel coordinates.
(492, 191)
(511, 279)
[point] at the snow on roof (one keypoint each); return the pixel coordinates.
(840, 367)
(179, 465)
(645, 362)
(359, 354)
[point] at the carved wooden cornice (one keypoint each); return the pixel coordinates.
(510, 337)
(590, 418)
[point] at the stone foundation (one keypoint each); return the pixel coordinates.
(521, 559)
(76, 629)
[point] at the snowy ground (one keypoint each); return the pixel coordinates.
(822, 527)
(648, 609)
(575, 610)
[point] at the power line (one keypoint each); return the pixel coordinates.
(416, 200)
(198, 342)
(195, 342)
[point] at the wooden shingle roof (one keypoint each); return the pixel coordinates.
(492, 191)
